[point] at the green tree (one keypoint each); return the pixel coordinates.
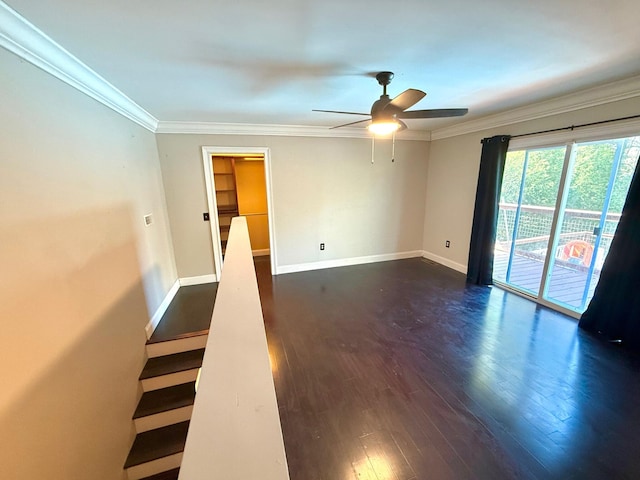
(625, 173)
(590, 176)
(544, 169)
(589, 181)
(512, 177)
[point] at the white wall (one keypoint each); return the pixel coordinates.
(453, 174)
(324, 190)
(80, 276)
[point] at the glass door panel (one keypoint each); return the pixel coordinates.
(509, 198)
(597, 186)
(527, 205)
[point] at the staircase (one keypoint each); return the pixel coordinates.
(175, 353)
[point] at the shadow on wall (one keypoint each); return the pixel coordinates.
(73, 312)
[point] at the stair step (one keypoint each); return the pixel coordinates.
(165, 406)
(158, 401)
(188, 314)
(158, 443)
(177, 362)
(168, 475)
(183, 344)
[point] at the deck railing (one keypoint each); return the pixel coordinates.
(235, 429)
(535, 226)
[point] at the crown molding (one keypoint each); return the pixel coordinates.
(28, 42)
(590, 97)
(618, 129)
(208, 128)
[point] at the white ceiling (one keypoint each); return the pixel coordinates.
(272, 62)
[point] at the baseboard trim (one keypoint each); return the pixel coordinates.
(345, 262)
(445, 261)
(199, 280)
(157, 316)
(261, 253)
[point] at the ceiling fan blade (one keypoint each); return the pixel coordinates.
(434, 113)
(405, 100)
(346, 113)
(352, 123)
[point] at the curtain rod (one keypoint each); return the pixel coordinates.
(573, 127)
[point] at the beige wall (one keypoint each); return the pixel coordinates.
(453, 176)
(80, 276)
(324, 190)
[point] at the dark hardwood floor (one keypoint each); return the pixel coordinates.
(399, 370)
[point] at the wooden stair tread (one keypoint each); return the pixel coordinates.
(178, 336)
(168, 475)
(169, 398)
(158, 443)
(177, 362)
(189, 314)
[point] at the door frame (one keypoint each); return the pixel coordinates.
(207, 153)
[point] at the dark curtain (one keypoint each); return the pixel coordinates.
(614, 311)
(485, 215)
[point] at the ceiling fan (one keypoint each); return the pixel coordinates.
(387, 114)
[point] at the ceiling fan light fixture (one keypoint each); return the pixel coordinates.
(384, 127)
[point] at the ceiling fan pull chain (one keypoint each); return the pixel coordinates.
(373, 148)
(393, 148)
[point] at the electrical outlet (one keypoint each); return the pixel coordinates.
(447, 244)
(322, 246)
(148, 220)
(205, 216)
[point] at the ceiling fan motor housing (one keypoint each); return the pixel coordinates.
(378, 111)
(379, 105)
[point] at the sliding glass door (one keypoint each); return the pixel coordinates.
(559, 210)
(527, 204)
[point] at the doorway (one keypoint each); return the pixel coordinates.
(238, 183)
(559, 210)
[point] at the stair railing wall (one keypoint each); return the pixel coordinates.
(235, 428)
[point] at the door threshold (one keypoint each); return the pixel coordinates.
(540, 301)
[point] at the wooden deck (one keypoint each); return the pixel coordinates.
(567, 284)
